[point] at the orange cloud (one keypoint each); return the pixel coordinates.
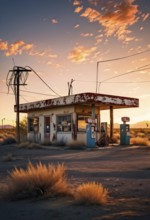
(56, 65)
(117, 21)
(86, 34)
(114, 18)
(77, 26)
(37, 53)
(3, 45)
(80, 54)
(54, 21)
(15, 48)
(52, 55)
(19, 47)
(93, 2)
(76, 2)
(78, 9)
(145, 16)
(91, 14)
(141, 28)
(46, 53)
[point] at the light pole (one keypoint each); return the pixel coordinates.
(97, 76)
(3, 122)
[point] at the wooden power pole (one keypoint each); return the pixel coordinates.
(17, 78)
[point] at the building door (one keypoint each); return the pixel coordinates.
(47, 129)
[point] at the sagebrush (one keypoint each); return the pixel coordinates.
(91, 193)
(38, 180)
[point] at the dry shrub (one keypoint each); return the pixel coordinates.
(91, 193)
(132, 134)
(38, 180)
(116, 138)
(141, 134)
(140, 141)
(9, 140)
(29, 145)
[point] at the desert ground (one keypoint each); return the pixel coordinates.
(123, 170)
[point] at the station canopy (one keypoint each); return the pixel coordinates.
(101, 100)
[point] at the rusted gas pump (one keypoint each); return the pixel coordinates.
(125, 131)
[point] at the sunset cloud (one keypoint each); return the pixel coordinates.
(145, 16)
(76, 26)
(35, 52)
(114, 18)
(93, 2)
(54, 21)
(15, 48)
(117, 22)
(3, 45)
(53, 64)
(91, 14)
(19, 47)
(45, 53)
(78, 9)
(80, 54)
(86, 34)
(76, 2)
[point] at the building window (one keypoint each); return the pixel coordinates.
(33, 124)
(82, 122)
(64, 123)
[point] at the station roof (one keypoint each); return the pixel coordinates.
(101, 100)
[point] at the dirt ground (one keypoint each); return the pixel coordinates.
(124, 171)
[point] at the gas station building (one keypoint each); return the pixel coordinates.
(73, 119)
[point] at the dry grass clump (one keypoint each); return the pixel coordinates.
(140, 141)
(37, 181)
(141, 134)
(41, 181)
(5, 133)
(9, 140)
(116, 138)
(91, 193)
(29, 145)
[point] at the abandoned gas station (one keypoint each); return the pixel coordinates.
(73, 119)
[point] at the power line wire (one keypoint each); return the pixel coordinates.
(24, 98)
(141, 68)
(120, 58)
(43, 80)
(37, 93)
(27, 92)
(132, 71)
(129, 82)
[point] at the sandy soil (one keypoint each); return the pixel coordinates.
(124, 171)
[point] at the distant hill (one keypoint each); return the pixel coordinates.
(6, 126)
(141, 124)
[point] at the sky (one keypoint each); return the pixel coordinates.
(65, 39)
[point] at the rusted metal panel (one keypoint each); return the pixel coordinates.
(83, 98)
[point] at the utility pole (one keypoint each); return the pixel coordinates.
(97, 76)
(3, 123)
(17, 78)
(17, 105)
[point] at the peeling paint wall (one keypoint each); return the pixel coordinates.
(72, 137)
(84, 98)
